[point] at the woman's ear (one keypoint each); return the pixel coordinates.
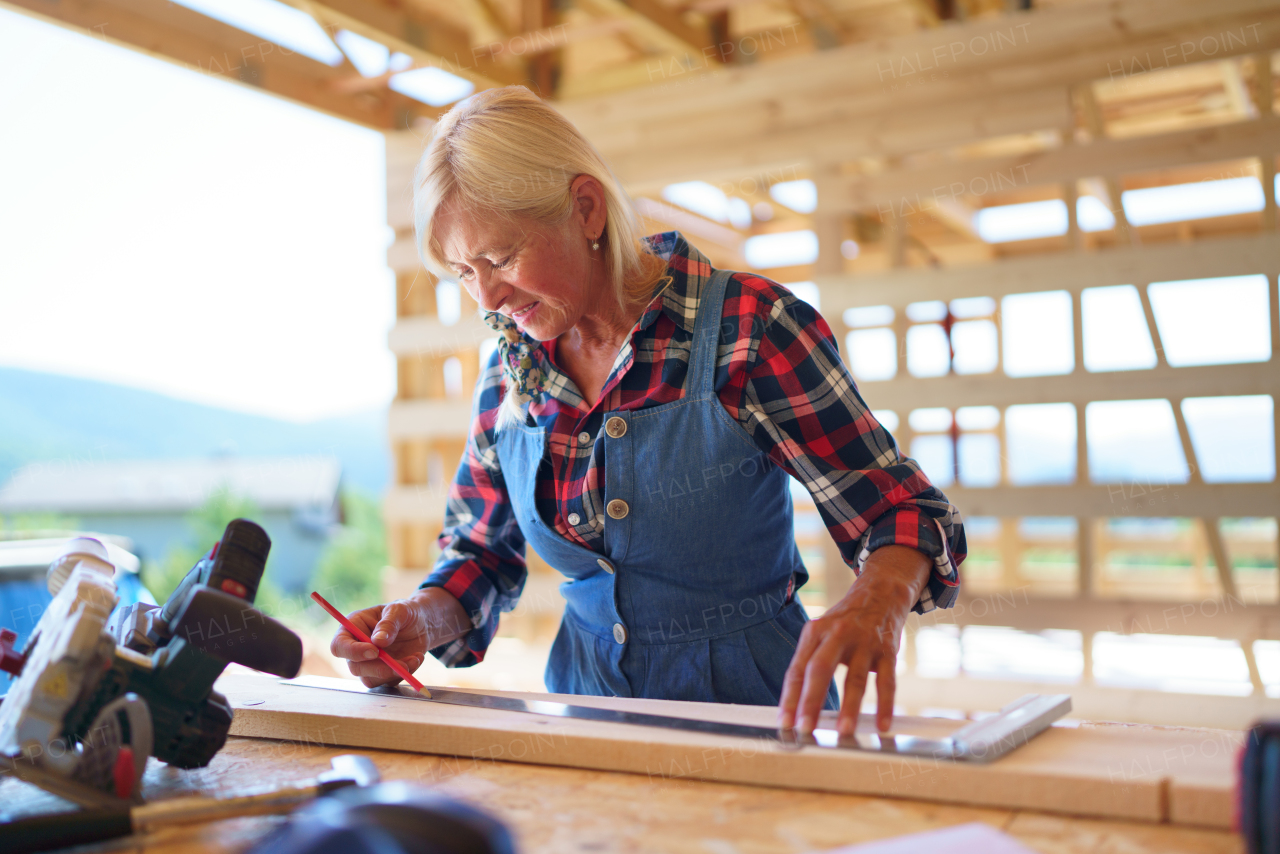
(589, 205)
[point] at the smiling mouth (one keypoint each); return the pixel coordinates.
(524, 312)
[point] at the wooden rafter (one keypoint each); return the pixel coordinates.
(828, 31)
(854, 102)
(496, 17)
(660, 26)
(179, 35)
(1069, 163)
(414, 37)
(538, 16)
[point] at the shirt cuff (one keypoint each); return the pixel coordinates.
(926, 535)
(476, 593)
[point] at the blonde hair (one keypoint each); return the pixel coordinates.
(505, 152)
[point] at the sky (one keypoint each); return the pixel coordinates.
(181, 233)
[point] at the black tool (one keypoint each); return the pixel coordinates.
(184, 646)
(233, 566)
(60, 830)
(390, 818)
(1259, 789)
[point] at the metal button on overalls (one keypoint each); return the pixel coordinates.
(711, 561)
(605, 565)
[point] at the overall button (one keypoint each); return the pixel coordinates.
(584, 437)
(573, 519)
(619, 633)
(615, 427)
(618, 508)
(605, 565)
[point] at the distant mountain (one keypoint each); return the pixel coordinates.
(45, 417)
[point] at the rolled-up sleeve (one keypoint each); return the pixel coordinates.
(797, 399)
(481, 546)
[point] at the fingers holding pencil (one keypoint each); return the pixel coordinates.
(382, 628)
(405, 629)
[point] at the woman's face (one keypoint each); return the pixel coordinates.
(541, 276)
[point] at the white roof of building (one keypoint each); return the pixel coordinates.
(142, 486)
(37, 554)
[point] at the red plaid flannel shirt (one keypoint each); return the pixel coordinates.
(778, 373)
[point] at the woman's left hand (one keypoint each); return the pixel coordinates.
(860, 631)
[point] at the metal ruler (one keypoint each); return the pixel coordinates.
(979, 741)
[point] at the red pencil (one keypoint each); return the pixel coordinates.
(396, 666)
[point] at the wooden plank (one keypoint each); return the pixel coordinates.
(661, 14)
(1203, 801)
(1060, 165)
(1144, 500)
(781, 137)
(657, 25)
(404, 148)
(401, 22)
(625, 75)
(1235, 619)
(995, 389)
(553, 810)
(426, 335)
(403, 253)
(179, 35)
(430, 47)
(1201, 717)
(1057, 46)
(428, 419)
(1063, 770)
(1071, 44)
(1069, 271)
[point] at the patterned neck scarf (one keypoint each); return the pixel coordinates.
(515, 351)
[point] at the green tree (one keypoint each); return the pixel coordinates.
(350, 570)
(206, 524)
(31, 523)
(349, 573)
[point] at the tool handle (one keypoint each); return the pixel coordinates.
(60, 830)
(395, 666)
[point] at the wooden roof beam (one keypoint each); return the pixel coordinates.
(712, 7)
(1059, 46)
(187, 38)
(1263, 89)
(496, 17)
(1062, 165)
(660, 26)
(429, 43)
(538, 16)
(673, 22)
(827, 30)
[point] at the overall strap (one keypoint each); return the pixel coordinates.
(706, 336)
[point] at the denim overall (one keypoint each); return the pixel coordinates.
(692, 597)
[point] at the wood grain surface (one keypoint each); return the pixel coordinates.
(567, 810)
(1134, 772)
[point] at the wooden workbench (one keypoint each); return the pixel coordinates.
(1145, 791)
(564, 810)
(1174, 775)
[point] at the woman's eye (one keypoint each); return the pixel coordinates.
(500, 264)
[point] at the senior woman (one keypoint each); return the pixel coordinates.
(637, 426)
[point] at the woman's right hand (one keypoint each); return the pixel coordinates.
(405, 628)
